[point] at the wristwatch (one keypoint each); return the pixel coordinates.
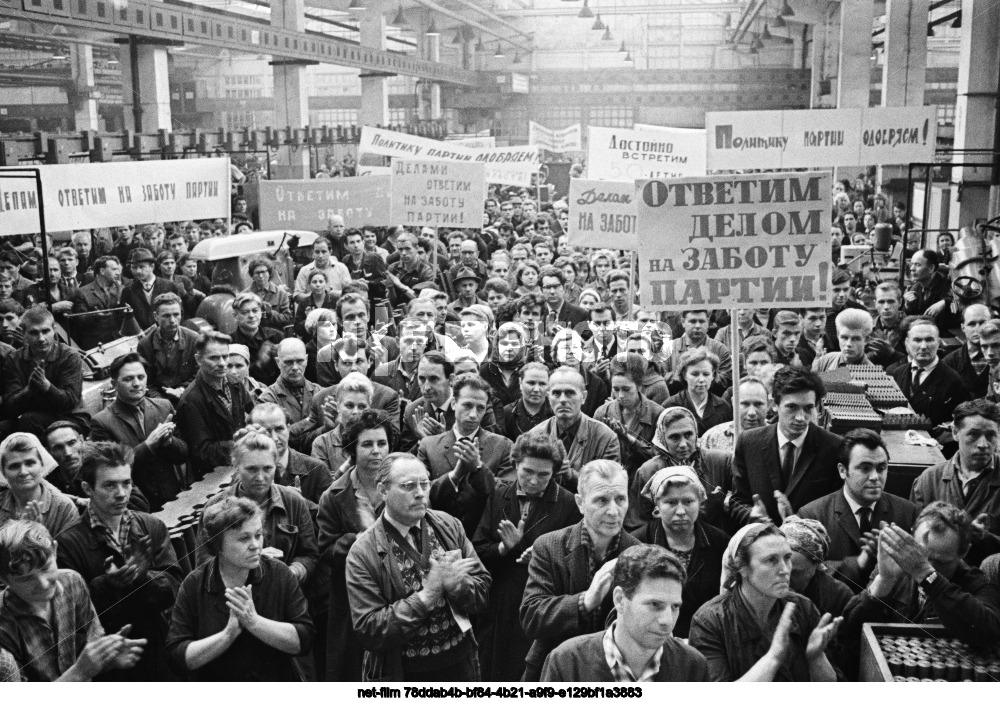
(929, 580)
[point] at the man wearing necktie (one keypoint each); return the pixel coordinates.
(933, 389)
(781, 467)
(853, 513)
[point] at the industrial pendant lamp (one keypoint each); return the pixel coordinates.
(622, 49)
(628, 58)
(357, 5)
(766, 34)
(585, 12)
(598, 24)
(786, 10)
(499, 52)
(607, 34)
(432, 30)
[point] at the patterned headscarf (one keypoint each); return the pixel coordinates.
(807, 536)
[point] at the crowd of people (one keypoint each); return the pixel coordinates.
(475, 455)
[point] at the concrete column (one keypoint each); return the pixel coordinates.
(152, 90)
(975, 111)
(905, 76)
(434, 54)
(374, 91)
(291, 99)
(82, 99)
(854, 71)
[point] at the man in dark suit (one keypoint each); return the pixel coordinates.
(168, 349)
(569, 575)
(933, 389)
(466, 461)
(852, 515)
(968, 360)
(212, 408)
(101, 294)
(145, 425)
(781, 467)
(145, 287)
(566, 314)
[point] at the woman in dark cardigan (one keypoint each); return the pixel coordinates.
(348, 507)
(697, 368)
(239, 617)
(515, 515)
(678, 496)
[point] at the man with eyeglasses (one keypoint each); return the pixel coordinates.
(413, 581)
(292, 392)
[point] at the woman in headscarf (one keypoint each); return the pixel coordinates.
(238, 371)
(510, 352)
(678, 495)
(758, 629)
(24, 491)
(676, 444)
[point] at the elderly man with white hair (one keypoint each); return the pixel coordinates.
(569, 575)
(292, 392)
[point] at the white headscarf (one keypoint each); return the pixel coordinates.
(49, 464)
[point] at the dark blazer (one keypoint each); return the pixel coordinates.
(201, 611)
(466, 500)
(938, 394)
(314, 477)
(134, 296)
(581, 659)
(717, 411)
(558, 573)
(570, 315)
(95, 329)
(208, 426)
(64, 371)
(409, 438)
(159, 473)
(593, 440)
(503, 644)
(385, 613)
(757, 470)
(834, 513)
(960, 362)
(704, 572)
(142, 604)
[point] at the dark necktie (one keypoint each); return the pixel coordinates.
(788, 462)
(415, 538)
(916, 377)
(865, 519)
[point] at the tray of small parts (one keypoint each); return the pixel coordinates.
(906, 421)
(846, 411)
(922, 653)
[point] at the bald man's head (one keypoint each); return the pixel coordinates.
(292, 361)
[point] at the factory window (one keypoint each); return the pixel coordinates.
(611, 116)
(344, 117)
